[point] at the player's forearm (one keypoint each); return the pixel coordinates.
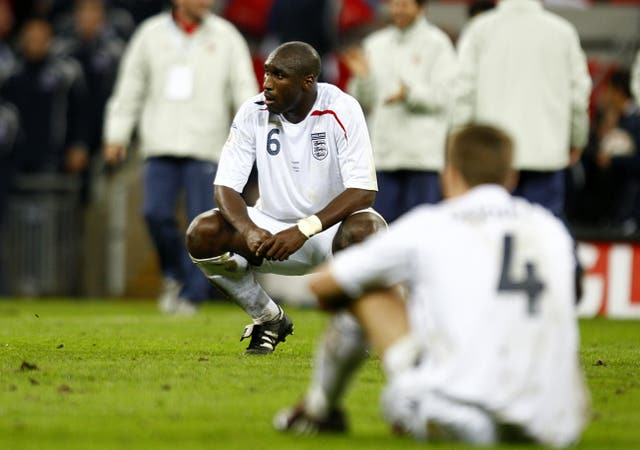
(348, 202)
(233, 208)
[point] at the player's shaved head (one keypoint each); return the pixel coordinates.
(298, 57)
(482, 154)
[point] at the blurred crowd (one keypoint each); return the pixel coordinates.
(59, 61)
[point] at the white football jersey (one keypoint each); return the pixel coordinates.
(491, 297)
(301, 166)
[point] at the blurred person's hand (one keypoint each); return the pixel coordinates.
(575, 153)
(76, 158)
(603, 159)
(356, 61)
(114, 153)
(398, 97)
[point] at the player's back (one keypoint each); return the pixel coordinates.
(527, 70)
(494, 303)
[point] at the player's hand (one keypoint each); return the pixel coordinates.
(255, 237)
(282, 245)
(114, 153)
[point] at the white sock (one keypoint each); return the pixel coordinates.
(232, 274)
(249, 295)
(316, 403)
(271, 312)
(342, 349)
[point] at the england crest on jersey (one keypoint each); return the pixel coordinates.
(319, 145)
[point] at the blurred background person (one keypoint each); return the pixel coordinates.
(51, 97)
(183, 75)
(404, 77)
(98, 48)
(522, 69)
(42, 234)
(81, 16)
(617, 158)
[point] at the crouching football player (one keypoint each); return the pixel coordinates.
(317, 183)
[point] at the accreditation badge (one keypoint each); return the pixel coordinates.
(179, 83)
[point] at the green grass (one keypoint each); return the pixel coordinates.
(118, 375)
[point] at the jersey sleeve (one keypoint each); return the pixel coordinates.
(355, 154)
(238, 152)
(382, 260)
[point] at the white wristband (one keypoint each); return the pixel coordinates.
(310, 225)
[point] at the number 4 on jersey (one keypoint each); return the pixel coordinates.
(529, 284)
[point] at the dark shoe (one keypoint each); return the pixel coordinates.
(265, 336)
(296, 420)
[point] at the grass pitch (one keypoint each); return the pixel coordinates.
(118, 375)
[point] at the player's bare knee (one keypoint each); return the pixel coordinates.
(356, 228)
(205, 235)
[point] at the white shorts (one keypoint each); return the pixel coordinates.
(411, 406)
(315, 251)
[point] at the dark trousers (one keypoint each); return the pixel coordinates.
(401, 190)
(545, 188)
(165, 178)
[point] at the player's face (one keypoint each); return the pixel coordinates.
(282, 85)
(404, 12)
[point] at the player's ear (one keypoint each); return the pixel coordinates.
(445, 180)
(512, 180)
(308, 81)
